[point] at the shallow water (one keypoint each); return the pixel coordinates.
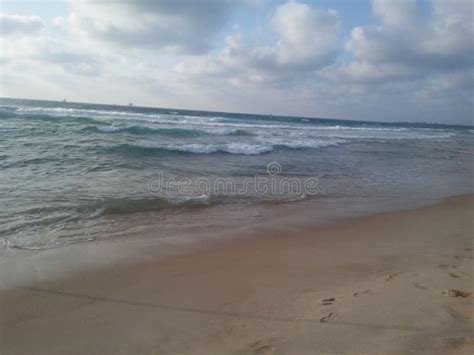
(75, 172)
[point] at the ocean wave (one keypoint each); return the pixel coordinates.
(231, 148)
(308, 144)
(45, 233)
(170, 132)
(319, 130)
(387, 135)
(193, 148)
(228, 131)
(48, 118)
(210, 121)
(142, 130)
(129, 205)
(63, 111)
(218, 125)
(109, 129)
(353, 135)
(9, 107)
(241, 132)
(110, 121)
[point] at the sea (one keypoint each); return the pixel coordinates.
(76, 172)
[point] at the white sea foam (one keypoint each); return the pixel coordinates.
(5, 244)
(109, 129)
(263, 146)
(201, 199)
(232, 148)
(308, 143)
(197, 148)
(218, 125)
(388, 135)
(248, 149)
(62, 111)
(221, 130)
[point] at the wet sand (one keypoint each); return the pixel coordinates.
(392, 283)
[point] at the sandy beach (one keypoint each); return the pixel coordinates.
(236, 177)
(391, 283)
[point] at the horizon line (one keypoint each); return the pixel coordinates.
(250, 114)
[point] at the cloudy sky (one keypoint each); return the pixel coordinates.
(387, 60)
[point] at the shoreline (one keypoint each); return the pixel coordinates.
(327, 289)
(206, 228)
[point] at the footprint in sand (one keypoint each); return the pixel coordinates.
(468, 249)
(455, 293)
(355, 294)
(264, 346)
(447, 266)
(328, 301)
(459, 275)
(420, 286)
(391, 277)
(455, 342)
(463, 257)
(327, 318)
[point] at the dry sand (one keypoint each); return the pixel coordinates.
(393, 283)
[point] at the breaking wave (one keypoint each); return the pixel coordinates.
(170, 132)
(194, 148)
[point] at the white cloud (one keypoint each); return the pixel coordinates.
(442, 43)
(71, 60)
(306, 36)
(417, 63)
(40, 53)
(449, 86)
(176, 26)
(412, 64)
(306, 41)
(396, 13)
(20, 25)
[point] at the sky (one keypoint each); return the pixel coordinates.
(383, 60)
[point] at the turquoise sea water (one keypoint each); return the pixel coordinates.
(70, 171)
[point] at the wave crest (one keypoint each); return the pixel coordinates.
(126, 205)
